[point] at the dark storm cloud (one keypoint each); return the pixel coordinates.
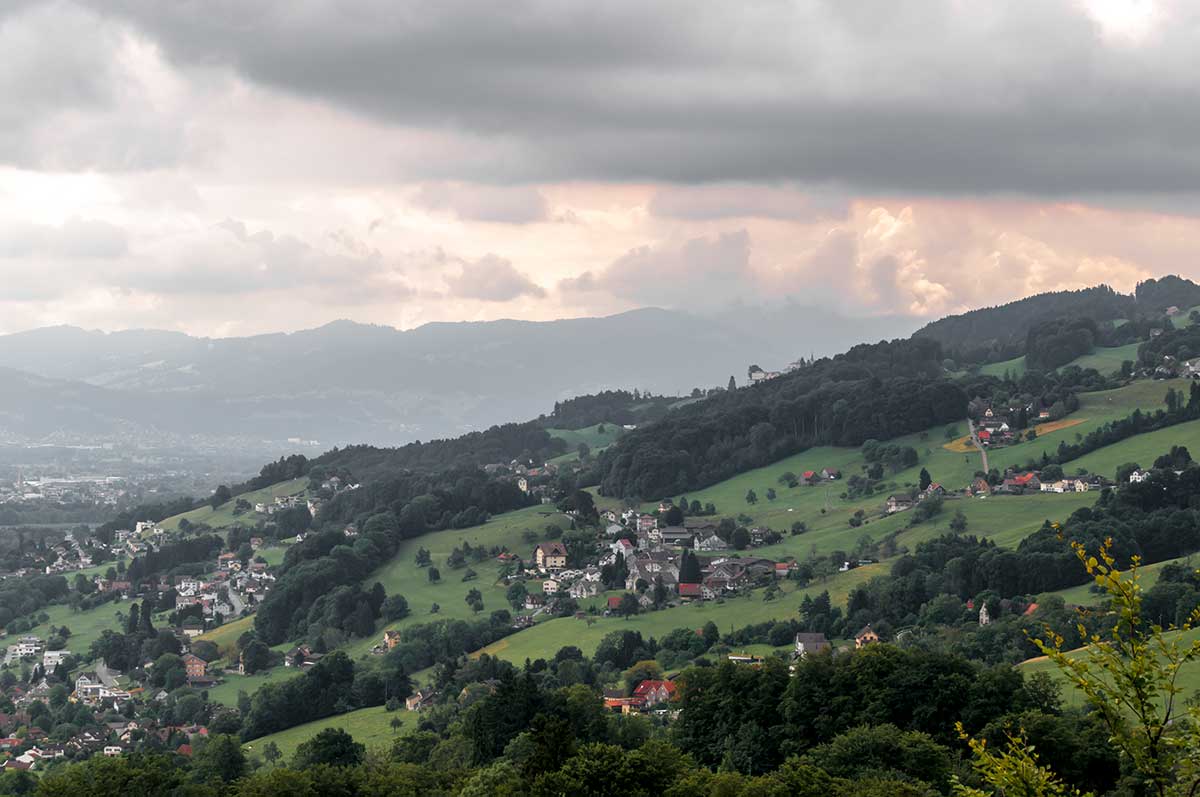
(937, 96)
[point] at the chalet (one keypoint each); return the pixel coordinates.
(782, 569)
(584, 588)
(691, 591)
(646, 524)
(712, 543)
(88, 686)
(551, 586)
(933, 489)
(898, 503)
(866, 636)
(985, 437)
(196, 667)
(809, 644)
(419, 700)
(534, 601)
(651, 693)
(623, 547)
(391, 639)
(550, 556)
(980, 486)
(1139, 476)
(810, 477)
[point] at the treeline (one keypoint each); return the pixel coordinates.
(25, 597)
(522, 441)
(607, 406)
(878, 391)
(993, 334)
(385, 513)
(334, 685)
(282, 470)
(172, 555)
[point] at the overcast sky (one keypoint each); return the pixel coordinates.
(226, 168)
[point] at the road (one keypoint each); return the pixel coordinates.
(979, 445)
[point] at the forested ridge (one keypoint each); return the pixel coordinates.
(873, 391)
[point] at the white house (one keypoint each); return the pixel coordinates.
(1139, 476)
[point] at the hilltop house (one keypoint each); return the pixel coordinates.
(898, 503)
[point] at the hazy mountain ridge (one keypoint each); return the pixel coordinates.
(348, 382)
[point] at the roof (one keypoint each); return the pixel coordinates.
(1024, 478)
(811, 639)
(552, 548)
(1030, 609)
(645, 687)
(614, 601)
(808, 474)
(866, 629)
(689, 590)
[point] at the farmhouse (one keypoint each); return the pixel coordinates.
(808, 644)
(550, 556)
(865, 637)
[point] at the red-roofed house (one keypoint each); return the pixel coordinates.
(651, 693)
(1030, 609)
(809, 476)
(691, 591)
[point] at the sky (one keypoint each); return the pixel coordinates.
(230, 168)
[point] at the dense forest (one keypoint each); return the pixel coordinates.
(1000, 333)
(874, 391)
(500, 444)
(608, 406)
(1050, 344)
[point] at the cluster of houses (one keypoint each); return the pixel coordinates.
(1014, 483)
(652, 553)
(27, 747)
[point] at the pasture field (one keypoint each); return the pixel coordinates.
(1189, 674)
(1104, 359)
(1014, 368)
(589, 434)
(222, 517)
(544, 639)
(369, 726)
(1147, 578)
(1142, 449)
(86, 627)
(401, 575)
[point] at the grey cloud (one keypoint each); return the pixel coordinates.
(72, 100)
(938, 96)
(507, 205)
(699, 271)
(492, 279)
(724, 201)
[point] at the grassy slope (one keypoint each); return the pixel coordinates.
(223, 517)
(369, 726)
(1107, 359)
(1147, 577)
(1143, 449)
(1189, 675)
(544, 639)
(589, 434)
(1103, 358)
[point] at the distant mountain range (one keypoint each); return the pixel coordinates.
(347, 382)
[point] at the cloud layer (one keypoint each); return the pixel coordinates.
(231, 168)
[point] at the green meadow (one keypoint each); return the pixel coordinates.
(369, 726)
(222, 517)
